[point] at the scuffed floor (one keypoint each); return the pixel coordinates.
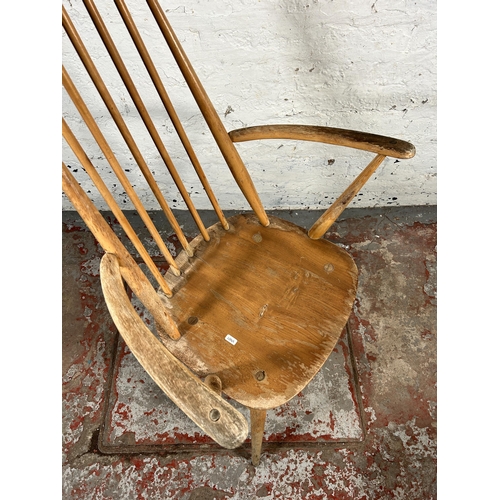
(365, 428)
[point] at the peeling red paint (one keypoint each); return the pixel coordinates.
(395, 459)
(160, 415)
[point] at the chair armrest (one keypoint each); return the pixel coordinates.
(379, 144)
(217, 418)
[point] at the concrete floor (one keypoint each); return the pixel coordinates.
(365, 428)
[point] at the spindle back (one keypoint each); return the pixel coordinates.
(213, 121)
(254, 305)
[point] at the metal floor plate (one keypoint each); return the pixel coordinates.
(140, 418)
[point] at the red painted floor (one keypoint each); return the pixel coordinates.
(365, 428)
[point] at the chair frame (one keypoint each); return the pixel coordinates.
(201, 401)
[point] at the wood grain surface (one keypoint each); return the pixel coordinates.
(260, 307)
(387, 146)
(205, 407)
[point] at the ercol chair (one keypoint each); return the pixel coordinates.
(253, 306)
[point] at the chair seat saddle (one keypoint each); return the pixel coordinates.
(260, 307)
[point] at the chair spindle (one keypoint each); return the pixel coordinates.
(141, 108)
(108, 153)
(122, 127)
(162, 92)
(321, 226)
(110, 242)
(228, 150)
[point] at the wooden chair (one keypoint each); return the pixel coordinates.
(254, 305)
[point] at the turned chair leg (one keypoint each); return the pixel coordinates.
(257, 422)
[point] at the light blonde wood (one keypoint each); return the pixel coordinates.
(215, 383)
(215, 124)
(204, 407)
(153, 73)
(283, 298)
(321, 226)
(257, 424)
(117, 169)
(253, 305)
(141, 108)
(120, 123)
(379, 144)
(108, 240)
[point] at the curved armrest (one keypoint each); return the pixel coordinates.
(204, 407)
(379, 144)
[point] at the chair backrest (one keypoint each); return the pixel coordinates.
(381, 146)
(213, 121)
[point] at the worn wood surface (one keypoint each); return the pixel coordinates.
(108, 240)
(206, 408)
(214, 382)
(379, 144)
(260, 307)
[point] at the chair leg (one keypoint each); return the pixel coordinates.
(257, 422)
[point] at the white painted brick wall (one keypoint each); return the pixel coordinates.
(358, 64)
